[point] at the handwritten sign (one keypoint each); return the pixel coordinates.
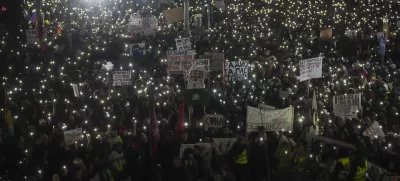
(347, 105)
(374, 130)
(121, 78)
(147, 26)
(214, 121)
(310, 68)
(224, 145)
(202, 63)
(179, 60)
(236, 71)
(31, 36)
(71, 136)
(183, 44)
(271, 120)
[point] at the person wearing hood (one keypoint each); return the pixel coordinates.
(240, 157)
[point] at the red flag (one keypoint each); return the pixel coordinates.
(155, 133)
(180, 127)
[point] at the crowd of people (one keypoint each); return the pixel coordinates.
(140, 131)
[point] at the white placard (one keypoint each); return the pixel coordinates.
(121, 78)
(272, 120)
(214, 121)
(236, 71)
(32, 36)
(179, 60)
(75, 89)
(73, 135)
(351, 33)
(347, 105)
(137, 48)
(310, 68)
(147, 26)
(195, 84)
(183, 44)
(265, 107)
(216, 60)
(224, 145)
(374, 130)
(202, 63)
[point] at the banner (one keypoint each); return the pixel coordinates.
(214, 121)
(374, 131)
(121, 78)
(271, 120)
(265, 107)
(137, 49)
(236, 70)
(179, 60)
(147, 26)
(224, 145)
(216, 60)
(347, 105)
(73, 135)
(310, 68)
(173, 15)
(183, 44)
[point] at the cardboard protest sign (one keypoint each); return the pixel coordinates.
(183, 44)
(271, 120)
(146, 26)
(137, 49)
(326, 33)
(71, 136)
(179, 60)
(224, 145)
(236, 71)
(265, 107)
(121, 78)
(374, 131)
(216, 60)
(347, 105)
(310, 68)
(173, 15)
(214, 121)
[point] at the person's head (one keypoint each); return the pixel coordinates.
(177, 162)
(143, 138)
(343, 153)
(184, 136)
(113, 133)
(118, 147)
(240, 139)
(225, 131)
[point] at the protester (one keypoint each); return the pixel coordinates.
(65, 117)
